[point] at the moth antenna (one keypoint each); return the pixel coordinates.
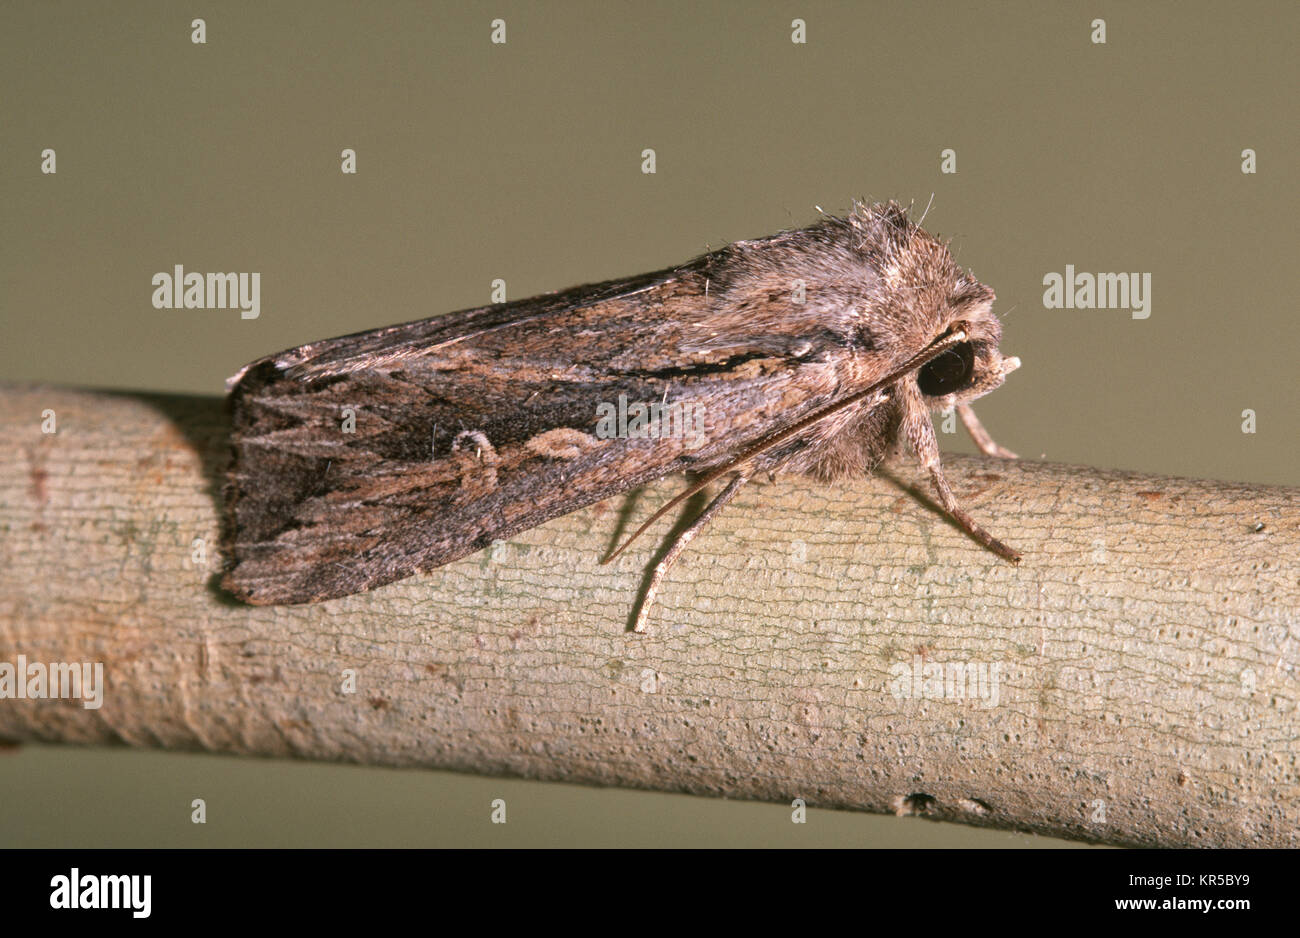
(933, 350)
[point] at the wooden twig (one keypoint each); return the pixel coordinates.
(1139, 667)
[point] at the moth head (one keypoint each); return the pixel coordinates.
(924, 296)
(975, 365)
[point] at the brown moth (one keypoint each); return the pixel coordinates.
(364, 459)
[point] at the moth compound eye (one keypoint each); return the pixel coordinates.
(952, 371)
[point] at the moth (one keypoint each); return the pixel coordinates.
(821, 351)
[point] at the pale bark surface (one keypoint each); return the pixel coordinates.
(1146, 648)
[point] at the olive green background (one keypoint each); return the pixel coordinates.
(522, 161)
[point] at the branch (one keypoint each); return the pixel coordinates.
(1132, 682)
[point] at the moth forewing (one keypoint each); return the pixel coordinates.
(364, 459)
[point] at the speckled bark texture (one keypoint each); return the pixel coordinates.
(1139, 667)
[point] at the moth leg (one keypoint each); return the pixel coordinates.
(920, 433)
(987, 445)
(679, 545)
(965, 521)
